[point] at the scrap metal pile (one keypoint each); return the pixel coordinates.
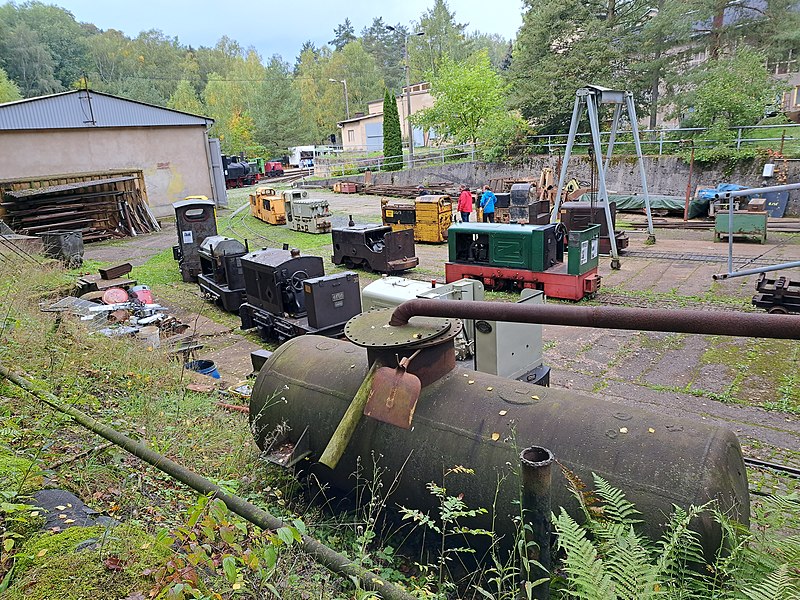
(112, 304)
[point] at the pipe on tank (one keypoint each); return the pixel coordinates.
(536, 475)
(758, 325)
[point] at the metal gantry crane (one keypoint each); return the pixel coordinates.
(591, 98)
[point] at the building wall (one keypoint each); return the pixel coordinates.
(354, 135)
(420, 99)
(174, 160)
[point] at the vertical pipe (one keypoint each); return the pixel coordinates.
(591, 108)
(689, 184)
(577, 110)
(536, 466)
(730, 234)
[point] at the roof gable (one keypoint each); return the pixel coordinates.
(87, 108)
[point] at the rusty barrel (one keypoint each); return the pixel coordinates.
(481, 422)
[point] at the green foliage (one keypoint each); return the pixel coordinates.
(343, 35)
(731, 91)
(112, 563)
(9, 91)
(469, 100)
(606, 558)
(386, 47)
(185, 99)
(444, 37)
(392, 136)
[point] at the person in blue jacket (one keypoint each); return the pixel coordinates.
(487, 204)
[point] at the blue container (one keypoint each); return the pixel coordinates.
(204, 367)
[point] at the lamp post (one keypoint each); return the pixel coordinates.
(408, 94)
(346, 100)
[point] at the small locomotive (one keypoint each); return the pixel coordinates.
(289, 295)
(221, 278)
(526, 256)
(374, 247)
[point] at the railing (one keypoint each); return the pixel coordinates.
(423, 156)
(657, 140)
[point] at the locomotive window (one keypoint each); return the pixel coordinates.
(195, 214)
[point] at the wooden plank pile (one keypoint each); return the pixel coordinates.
(101, 208)
(411, 191)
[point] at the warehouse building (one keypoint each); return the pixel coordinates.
(78, 142)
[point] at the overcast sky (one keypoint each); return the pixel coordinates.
(278, 27)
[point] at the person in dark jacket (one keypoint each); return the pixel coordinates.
(421, 191)
(487, 204)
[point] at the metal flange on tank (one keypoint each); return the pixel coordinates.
(425, 416)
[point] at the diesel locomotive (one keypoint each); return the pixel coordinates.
(374, 247)
(526, 256)
(288, 295)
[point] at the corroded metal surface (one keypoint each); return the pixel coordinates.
(481, 421)
(604, 317)
(371, 329)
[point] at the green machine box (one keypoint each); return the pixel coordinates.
(583, 250)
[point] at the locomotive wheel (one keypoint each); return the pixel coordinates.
(778, 310)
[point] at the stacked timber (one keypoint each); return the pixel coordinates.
(412, 191)
(100, 208)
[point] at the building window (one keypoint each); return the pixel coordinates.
(351, 135)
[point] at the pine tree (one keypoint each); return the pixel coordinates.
(392, 139)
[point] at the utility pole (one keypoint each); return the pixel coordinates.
(408, 94)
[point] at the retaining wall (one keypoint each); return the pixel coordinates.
(666, 175)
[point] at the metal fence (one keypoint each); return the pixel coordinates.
(666, 141)
(655, 142)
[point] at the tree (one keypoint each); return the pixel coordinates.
(185, 99)
(734, 90)
(496, 46)
(469, 98)
(386, 47)
(561, 46)
(443, 37)
(343, 35)
(9, 91)
(308, 46)
(27, 60)
(392, 137)
(64, 38)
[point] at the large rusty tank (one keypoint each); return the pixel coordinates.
(481, 422)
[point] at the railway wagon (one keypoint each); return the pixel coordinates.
(526, 256)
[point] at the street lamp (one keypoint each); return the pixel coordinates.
(408, 94)
(346, 101)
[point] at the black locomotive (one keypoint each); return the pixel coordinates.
(374, 247)
(289, 295)
(237, 171)
(221, 278)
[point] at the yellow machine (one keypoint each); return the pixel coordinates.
(429, 216)
(268, 205)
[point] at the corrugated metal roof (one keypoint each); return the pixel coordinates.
(82, 108)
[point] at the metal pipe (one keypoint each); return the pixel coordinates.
(321, 553)
(754, 191)
(607, 317)
(536, 466)
(731, 274)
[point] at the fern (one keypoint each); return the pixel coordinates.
(777, 586)
(588, 577)
(616, 508)
(631, 568)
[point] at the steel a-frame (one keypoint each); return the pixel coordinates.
(591, 98)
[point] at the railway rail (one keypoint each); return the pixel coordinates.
(757, 463)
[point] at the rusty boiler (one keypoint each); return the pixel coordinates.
(481, 422)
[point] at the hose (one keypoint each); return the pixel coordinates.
(322, 554)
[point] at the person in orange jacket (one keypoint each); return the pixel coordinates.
(465, 203)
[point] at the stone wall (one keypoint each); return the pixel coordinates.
(666, 175)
